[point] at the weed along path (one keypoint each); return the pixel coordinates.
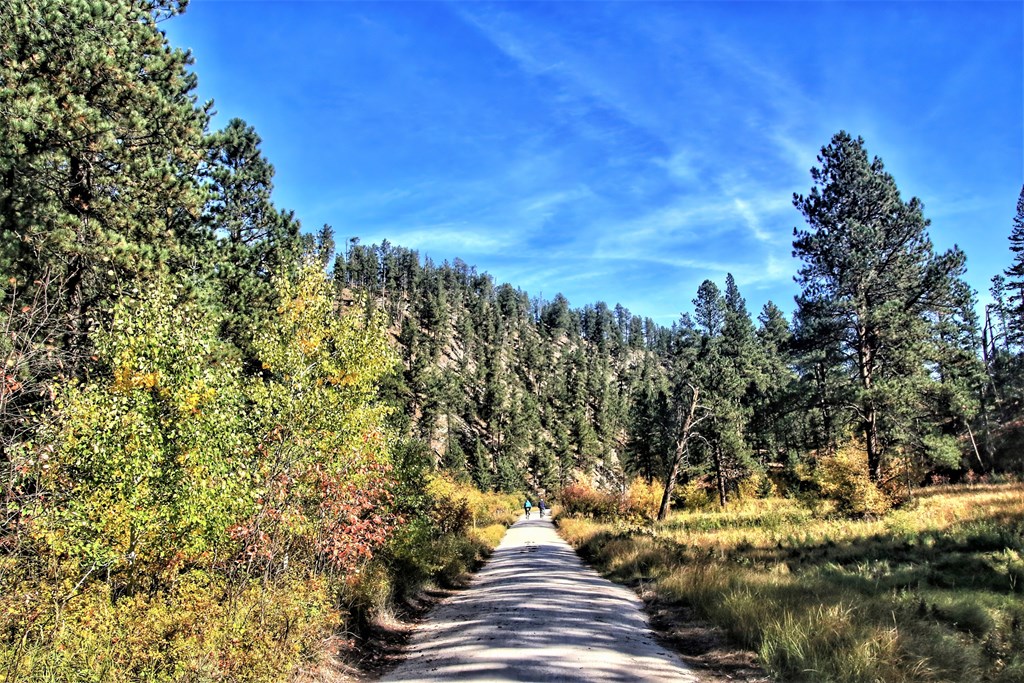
(535, 612)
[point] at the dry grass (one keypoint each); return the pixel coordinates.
(931, 592)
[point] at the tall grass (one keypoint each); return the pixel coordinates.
(931, 592)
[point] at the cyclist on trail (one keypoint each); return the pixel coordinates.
(527, 506)
(543, 506)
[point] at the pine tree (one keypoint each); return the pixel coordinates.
(870, 269)
(648, 441)
(509, 474)
(483, 467)
(996, 329)
(771, 429)
(100, 137)
(556, 318)
(687, 406)
(99, 142)
(709, 308)
(728, 369)
(824, 392)
(454, 459)
(1015, 277)
(545, 464)
(254, 239)
(956, 397)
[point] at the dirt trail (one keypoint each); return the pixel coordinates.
(535, 612)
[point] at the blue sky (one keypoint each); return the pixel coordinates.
(619, 152)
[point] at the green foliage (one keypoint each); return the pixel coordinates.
(254, 239)
(942, 450)
(482, 467)
(1015, 277)
(153, 461)
(183, 510)
(324, 486)
(207, 449)
(650, 419)
(509, 475)
(454, 459)
(872, 279)
(448, 531)
(100, 139)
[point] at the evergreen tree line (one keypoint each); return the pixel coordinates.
(885, 351)
(111, 178)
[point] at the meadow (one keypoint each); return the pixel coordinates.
(932, 591)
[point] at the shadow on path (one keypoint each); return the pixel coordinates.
(536, 613)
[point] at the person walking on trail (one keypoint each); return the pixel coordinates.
(526, 507)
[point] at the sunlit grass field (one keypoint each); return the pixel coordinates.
(933, 591)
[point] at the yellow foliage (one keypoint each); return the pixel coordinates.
(489, 536)
(128, 379)
(485, 508)
(200, 630)
(758, 485)
(843, 477)
(696, 494)
(644, 499)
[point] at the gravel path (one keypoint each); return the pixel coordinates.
(535, 612)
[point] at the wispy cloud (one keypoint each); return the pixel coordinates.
(448, 238)
(546, 52)
(619, 151)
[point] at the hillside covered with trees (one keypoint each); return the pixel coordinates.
(885, 350)
(226, 441)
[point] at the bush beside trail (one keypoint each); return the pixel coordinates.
(638, 502)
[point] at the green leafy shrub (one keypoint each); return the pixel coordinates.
(190, 524)
(697, 494)
(450, 526)
(152, 466)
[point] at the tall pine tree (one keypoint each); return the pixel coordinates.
(254, 239)
(99, 141)
(869, 269)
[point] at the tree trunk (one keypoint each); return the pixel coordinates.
(720, 476)
(871, 437)
(670, 484)
(866, 360)
(677, 457)
(977, 453)
(988, 354)
(821, 376)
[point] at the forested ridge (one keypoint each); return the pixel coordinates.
(225, 440)
(501, 385)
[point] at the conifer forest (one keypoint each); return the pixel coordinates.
(230, 441)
